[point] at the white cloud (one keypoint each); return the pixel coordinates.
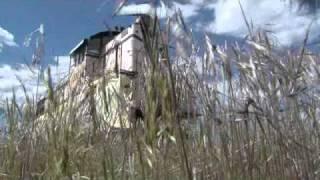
(188, 10)
(287, 23)
(278, 16)
(6, 38)
(145, 8)
(9, 78)
(162, 11)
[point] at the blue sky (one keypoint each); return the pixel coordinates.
(66, 22)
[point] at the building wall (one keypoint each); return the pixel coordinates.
(107, 58)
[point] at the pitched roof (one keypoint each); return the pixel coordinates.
(101, 34)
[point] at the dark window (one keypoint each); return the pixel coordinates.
(104, 63)
(117, 65)
(82, 54)
(93, 66)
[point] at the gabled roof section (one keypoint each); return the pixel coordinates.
(78, 46)
(105, 34)
(84, 42)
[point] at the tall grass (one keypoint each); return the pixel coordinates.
(257, 117)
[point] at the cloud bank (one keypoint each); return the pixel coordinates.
(10, 78)
(287, 22)
(6, 39)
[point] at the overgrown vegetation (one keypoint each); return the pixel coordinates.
(257, 118)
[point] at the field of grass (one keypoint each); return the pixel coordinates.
(259, 119)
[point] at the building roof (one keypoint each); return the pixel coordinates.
(105, 33)
(78, 46)
(84, 42)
